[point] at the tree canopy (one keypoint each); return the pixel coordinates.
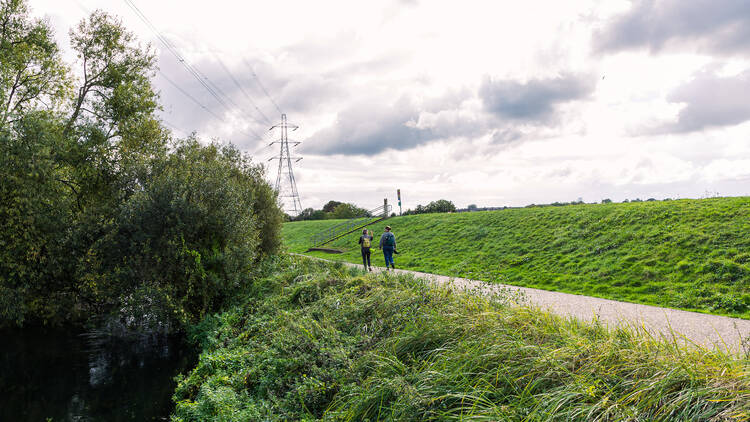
(102, 211)
(441, 205)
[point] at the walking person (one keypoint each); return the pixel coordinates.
(388, 245)
(365, 241)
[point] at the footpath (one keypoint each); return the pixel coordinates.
(682, 327)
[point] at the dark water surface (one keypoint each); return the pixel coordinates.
(63, 375)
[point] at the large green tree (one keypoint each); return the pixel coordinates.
(34, 201)
(32, 73)
(111, 123)
(95, 215)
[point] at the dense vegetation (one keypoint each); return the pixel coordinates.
(102, 212)
(331, 210)
(315, 341)
(441, 205)
(687, 254)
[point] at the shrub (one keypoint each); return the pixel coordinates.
(189, 238)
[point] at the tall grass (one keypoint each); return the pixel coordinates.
(322, 342)
(686, 254)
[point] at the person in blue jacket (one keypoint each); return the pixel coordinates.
(388, 245)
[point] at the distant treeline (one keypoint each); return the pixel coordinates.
(343, 210)
(441, 205)
(473, 207)
(331, 210)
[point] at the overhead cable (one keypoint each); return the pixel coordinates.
(202, 79)
(242, 89)
(257, 79)
(214, 90)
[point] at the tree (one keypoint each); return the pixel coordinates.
(606, 201)
(36, 272)
(472, 207)
(35, 276)
(95, 215)
(304, 214)
(330, 206)
(441, 205)
(347, 210)
(179, 247)
(111, 121)
(32, 73)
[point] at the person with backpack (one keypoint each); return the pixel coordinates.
(388, 245)
(365, 242)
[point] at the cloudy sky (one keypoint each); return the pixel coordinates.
(487, 103)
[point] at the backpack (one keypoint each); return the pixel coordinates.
(390, 240)
(366, 241)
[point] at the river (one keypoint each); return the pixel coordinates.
(64, 375)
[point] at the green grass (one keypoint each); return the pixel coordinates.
(315, 341)
(685, 254)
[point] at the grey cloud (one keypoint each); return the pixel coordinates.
(710, 101)
(306, 93)
(507, 136)
(713, 26)
(372, 126)
(533, 101)
(369, 128)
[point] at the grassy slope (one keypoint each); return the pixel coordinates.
(687, 254)
(316, 341)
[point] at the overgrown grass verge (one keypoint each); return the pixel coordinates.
(686, 254)
(318, 341)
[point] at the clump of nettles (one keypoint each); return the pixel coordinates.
(320, 342)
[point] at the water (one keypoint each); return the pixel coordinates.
(63, 375)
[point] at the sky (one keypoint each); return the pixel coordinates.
(477, 102)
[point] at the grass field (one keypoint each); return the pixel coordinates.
(314, 341)
(685, 254)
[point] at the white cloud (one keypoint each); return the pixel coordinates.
(493, 103)
(725, 169)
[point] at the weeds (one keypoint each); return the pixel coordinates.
(319, 342)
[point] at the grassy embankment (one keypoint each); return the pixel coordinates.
(317, 341)
(686, 254)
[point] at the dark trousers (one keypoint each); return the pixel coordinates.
(388, 255)
(366, 257)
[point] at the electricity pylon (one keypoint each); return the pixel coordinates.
(285, 185)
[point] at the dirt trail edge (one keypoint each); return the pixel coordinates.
(723, 333)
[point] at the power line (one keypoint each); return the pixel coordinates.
(206, 109)
(242, 89)
(262, 87)
(202, 79)
(187, 94)
(227, 96)
(212, 88)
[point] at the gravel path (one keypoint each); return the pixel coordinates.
(724, 333)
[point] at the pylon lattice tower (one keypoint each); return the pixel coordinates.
(286, 186)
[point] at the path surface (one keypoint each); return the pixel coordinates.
(724, 333)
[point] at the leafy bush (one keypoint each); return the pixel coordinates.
(439, 206)
(190, 237)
